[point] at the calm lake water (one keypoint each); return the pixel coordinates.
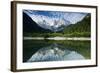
(50, 50)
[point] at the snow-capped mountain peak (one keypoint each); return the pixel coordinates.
(53, 20)
(52, 23)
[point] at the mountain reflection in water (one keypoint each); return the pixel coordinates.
(55, 52)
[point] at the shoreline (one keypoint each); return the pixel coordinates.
(57, 38)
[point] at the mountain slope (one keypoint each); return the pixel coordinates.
(82, 27)
(52, 23)
(30, 26)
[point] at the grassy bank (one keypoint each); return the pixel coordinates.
(74, 34)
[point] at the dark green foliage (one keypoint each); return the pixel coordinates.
(82, 28)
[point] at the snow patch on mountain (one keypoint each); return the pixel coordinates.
(54, 21)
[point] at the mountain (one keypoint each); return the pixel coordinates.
(45, 25)
(54, 24)
(30, 26)
(80, 27)
(54, 20)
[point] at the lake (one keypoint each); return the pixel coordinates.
(55, 50)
